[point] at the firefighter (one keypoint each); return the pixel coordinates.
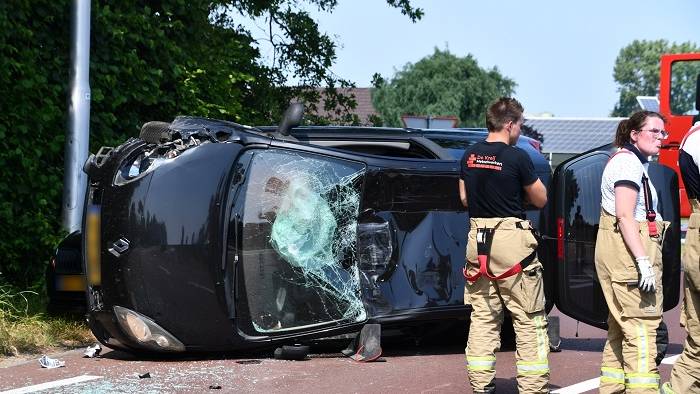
(628, 258)
(502, 269)
(685, 376)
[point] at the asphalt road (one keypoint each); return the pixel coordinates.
(404, 367)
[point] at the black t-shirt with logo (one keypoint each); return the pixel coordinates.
(494, 174)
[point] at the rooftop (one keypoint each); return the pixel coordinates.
(574, 135)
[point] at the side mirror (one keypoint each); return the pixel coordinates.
(292, 118)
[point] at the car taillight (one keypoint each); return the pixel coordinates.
(560, 238)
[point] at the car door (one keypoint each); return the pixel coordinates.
(570, 234)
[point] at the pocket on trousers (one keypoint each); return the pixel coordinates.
(634, 302)
(510, 247)
(532, 289)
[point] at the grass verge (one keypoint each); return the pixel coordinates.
(25, 328)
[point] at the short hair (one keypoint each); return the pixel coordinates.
(634, 122)
(502, 111)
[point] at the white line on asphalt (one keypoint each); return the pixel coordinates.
(591, 384)
(49, 385)
(586, 385)
(670, 359)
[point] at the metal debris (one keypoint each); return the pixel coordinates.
(146, 375)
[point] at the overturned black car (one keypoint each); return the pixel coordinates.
(206, 235)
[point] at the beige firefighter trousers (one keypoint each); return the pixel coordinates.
(522, 294)
(685, 375)
(628, 364)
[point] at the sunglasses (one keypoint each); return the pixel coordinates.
(657, 132)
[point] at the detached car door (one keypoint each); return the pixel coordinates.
(572, 226)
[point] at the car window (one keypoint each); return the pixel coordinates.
(299, 221)
(455, 146)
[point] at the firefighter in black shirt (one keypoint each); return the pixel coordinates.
(502, 269)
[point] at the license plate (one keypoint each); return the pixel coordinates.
(92, 244)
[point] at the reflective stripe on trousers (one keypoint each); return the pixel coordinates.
(632, 380)
(613, 375)
(642, 380)
(532, 367)
(476, 363)
(642, 348)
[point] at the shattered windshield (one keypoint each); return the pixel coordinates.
(298, 241)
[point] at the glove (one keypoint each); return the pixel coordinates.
(647, 276)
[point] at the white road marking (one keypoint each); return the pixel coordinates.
(586, 385)
(670, 359)
(591, 384)
(49, 385)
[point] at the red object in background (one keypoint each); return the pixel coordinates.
(676, 124)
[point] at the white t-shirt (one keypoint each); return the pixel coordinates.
(626, 168)
(691, 145)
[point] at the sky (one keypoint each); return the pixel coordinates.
(560, 53)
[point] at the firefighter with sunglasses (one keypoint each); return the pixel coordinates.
(628, 258)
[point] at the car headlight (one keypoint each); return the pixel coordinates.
(139, 166)
(146, 332)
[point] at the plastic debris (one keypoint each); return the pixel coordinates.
(214, 387)
(93, 351)
(146, 375)
(48, 362)
(366, 346)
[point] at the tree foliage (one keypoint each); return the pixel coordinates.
(438, 85)
(637, 70)
(150, 60)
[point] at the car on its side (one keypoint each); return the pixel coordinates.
(207, 235)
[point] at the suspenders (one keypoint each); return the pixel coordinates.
(648, 202)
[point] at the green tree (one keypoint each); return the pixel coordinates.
(150, 60)
(637, 74)
(440, 84)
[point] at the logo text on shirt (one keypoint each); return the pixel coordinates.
(484, 161)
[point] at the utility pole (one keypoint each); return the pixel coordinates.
(78, 131)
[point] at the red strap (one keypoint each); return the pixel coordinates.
(483, 270)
